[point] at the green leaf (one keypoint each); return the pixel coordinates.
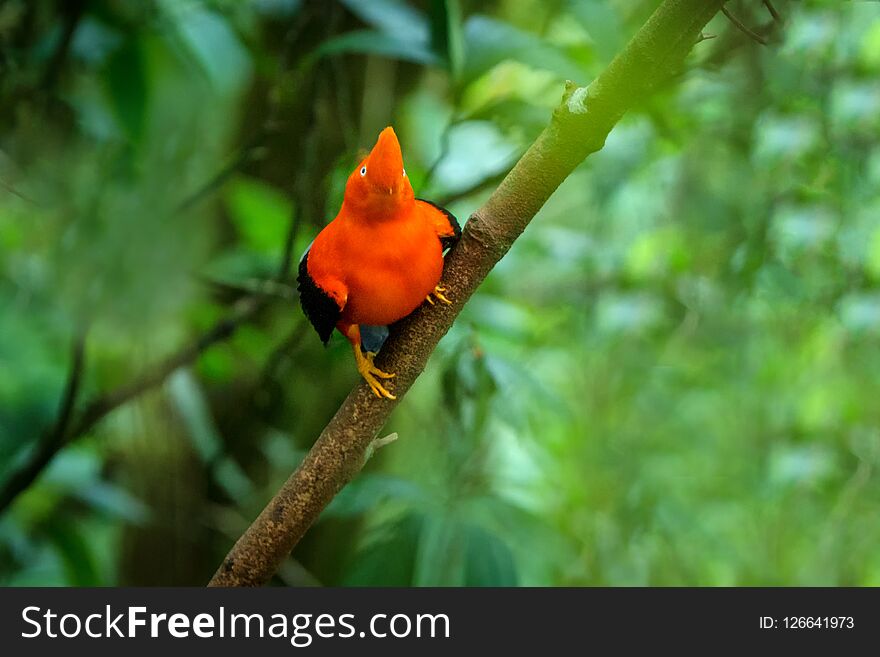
(477, 151)
(193, 409)
(489, 41)
(657, 253)
(368, 491)
(602, 23)
(114, 501)
(391, 16)
(440, 557)
(513, 116)
(234, 481)
(389, 559)
(278, 8)
(200, 429)
(217, 364)
(873, 257)
(80, 565)
(261, 214)
(371, 42)
(400, 32)
(488, 560)
(211, 43)
(452, 553)
(447, 35)
(869, 53)
(241, 266)
(860, 312)
(73, 469)
(125, 82)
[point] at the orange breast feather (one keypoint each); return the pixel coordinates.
(386, 267)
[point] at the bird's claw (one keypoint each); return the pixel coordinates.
(437, 292)
(370, 372)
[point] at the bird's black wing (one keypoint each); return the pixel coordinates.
(320, 308)
(448, 229)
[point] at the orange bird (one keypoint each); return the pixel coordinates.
(377, 260)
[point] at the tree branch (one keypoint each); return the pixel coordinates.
(73, 12)
(289, 243)
(254, 149)
(486, 183)
(772, 10)
(445, 139)
(12, 190)
(579, 127)
(54, 437)
(742, 27)
(98, 408)
(249, 152)
(66, 429)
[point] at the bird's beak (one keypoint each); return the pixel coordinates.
(386, 162)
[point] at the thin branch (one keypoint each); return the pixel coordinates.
(73, 13)
(263, 287)
(485, 183)
(579, 127)
(772, 10)
(67, 429)
(743, 28)
(253, 149)
(54, 438)
(280, 353)
(12, 190)
(289, 244)
(342, 93)
(248, 153)
(98, 408)
(445, 138)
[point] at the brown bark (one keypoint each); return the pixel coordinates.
(579, 127)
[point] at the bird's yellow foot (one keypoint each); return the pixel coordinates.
(438, 294)
(370, 372)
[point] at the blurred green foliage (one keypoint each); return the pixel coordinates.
(673, 377)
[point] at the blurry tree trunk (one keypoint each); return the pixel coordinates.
(160, 467)
(579, 127)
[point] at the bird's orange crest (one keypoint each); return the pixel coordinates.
(379, 188)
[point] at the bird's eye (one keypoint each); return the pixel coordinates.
(404, 173)
(363, 171)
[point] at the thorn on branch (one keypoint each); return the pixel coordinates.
(379, 443)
